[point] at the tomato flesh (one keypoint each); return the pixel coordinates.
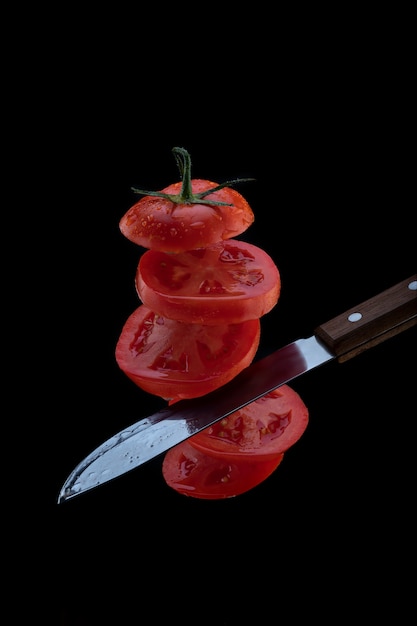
(176, 361)
(229, 282)
(161, 224)
(261, 430)
(194, 473)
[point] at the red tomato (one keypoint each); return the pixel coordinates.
(229, 282)
(175, 360)
(159, 223)
(261, 430)
(198, 475)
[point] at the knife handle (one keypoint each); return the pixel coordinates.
(371, 322)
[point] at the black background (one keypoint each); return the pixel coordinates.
(327, 138)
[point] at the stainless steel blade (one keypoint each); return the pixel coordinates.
(344, 337)
(154, 435)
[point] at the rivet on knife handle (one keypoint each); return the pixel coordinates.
(372, 322)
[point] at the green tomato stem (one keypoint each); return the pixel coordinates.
(186, 195)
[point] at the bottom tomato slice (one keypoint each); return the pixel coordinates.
(259, 431)
(175, 360)
(194, 473)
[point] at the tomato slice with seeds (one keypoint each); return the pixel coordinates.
(194, 473)
(174, 360)
(261, 430)
(229, 282)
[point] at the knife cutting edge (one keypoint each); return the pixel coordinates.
(345, 336)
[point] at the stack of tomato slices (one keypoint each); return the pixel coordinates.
(202, 294)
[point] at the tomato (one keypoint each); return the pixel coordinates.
(163, 224)
(228, 282)
(193, 473)
(261, 430)
(186, 215)
(175, 360)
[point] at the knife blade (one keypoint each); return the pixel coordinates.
(341, 338)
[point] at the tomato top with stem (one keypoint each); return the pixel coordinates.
(187, 215)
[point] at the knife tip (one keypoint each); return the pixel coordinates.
(65, 494)
(61, 497)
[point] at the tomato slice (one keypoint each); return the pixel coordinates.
(229, 282)
(160, 224)
(261, 430)
(193, 473)
(175, 360)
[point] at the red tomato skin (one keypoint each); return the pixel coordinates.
(261, 430)
(160, 224)
(229, 282)
(192, 473)
(177, 361)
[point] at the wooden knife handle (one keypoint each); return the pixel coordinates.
(371, 322)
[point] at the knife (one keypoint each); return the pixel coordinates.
(343, 337)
